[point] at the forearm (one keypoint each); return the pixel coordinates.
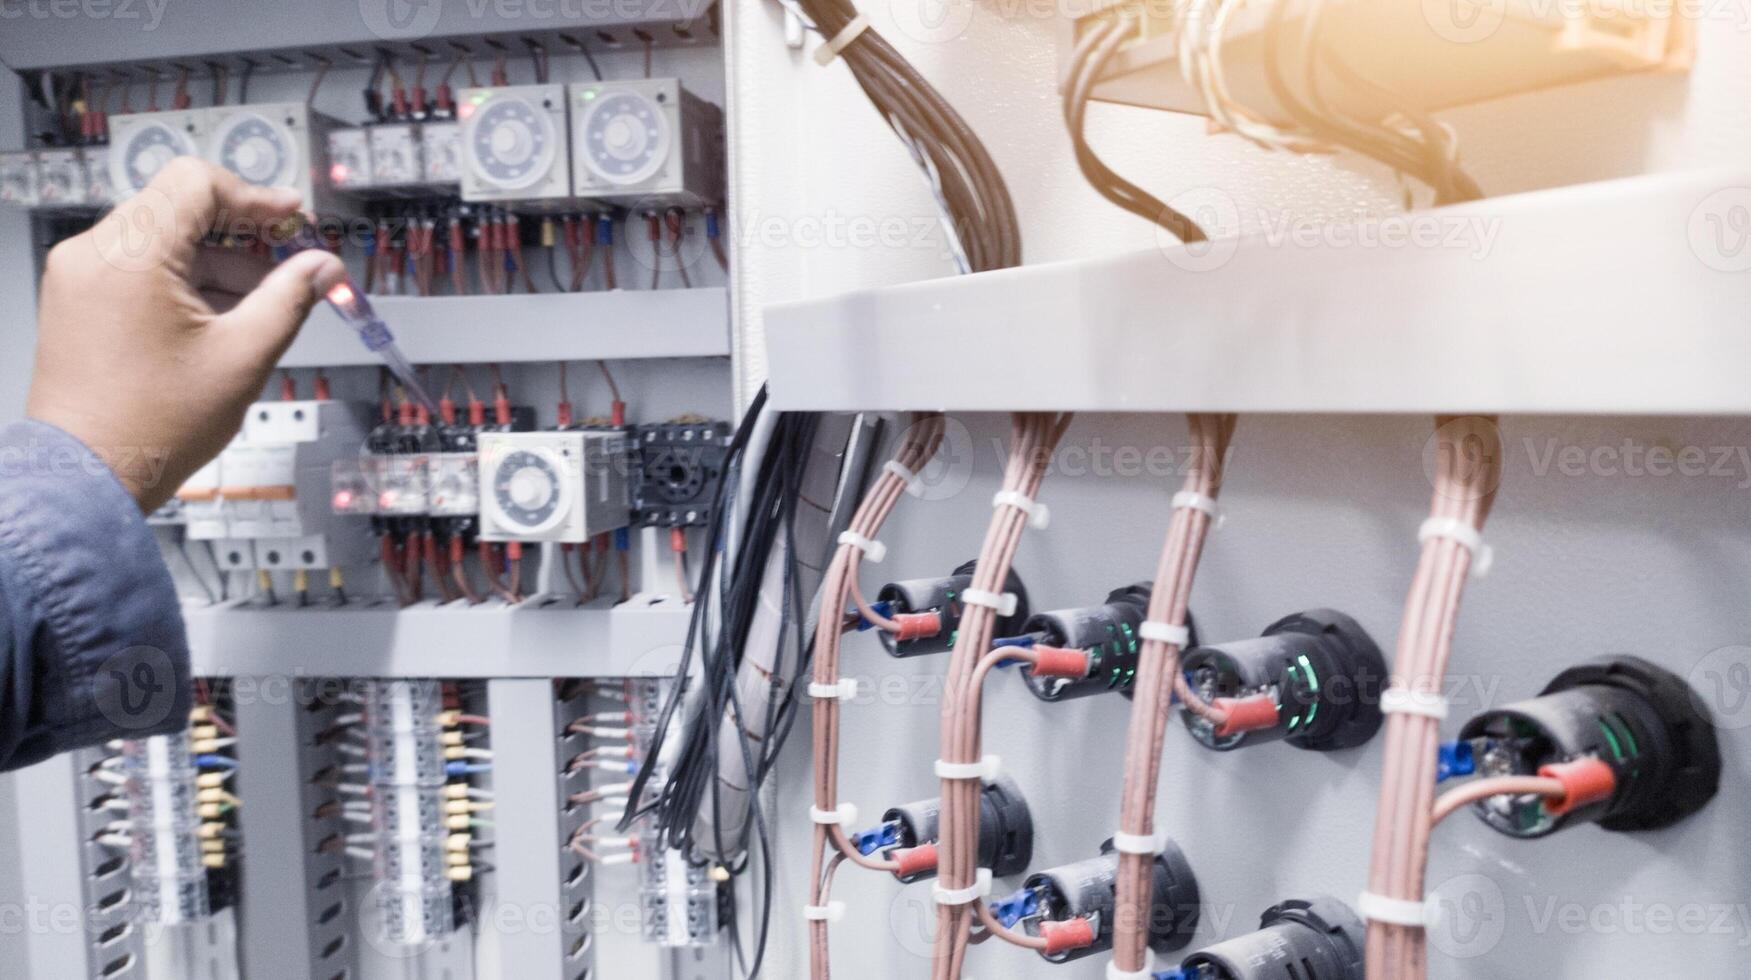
(92, 645)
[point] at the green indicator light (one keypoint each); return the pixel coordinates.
(1312, 711)
(1312, 678)
(1628, 734)
(1293, 722)
(1611, 736)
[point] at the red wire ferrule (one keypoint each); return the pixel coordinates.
(1059, 662)
(917, 626)
(1585, 782)
(915, 860)
(1246, 714)
(1062, 937)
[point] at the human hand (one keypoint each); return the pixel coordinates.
(151, 345)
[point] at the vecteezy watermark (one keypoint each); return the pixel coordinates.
(1637, 460)
(1221, 217)
(1720, 230)
(1475, 21)
(147, 13)
(402, 20)
(1720, 688)
(1467, 451)
(137, 688)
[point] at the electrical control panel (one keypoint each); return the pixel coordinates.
(515, 144)
(62, 179)
(553, 486)
(648, 142)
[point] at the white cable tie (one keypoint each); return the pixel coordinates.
(1427, 704)
(825, 54)
(873, 551)
(845, 816)
(1395, 911)
(1177, 634)
(1192, 500)
(1146, 845)
(1468, 537)
(1004, 604)
(1039, 516)
(844, 689)
(914, 486)
(985, 770)
(830, 912)
(1148, 971)
(980, 887)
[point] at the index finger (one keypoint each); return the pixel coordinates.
(186, 201)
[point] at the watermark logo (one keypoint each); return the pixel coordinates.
(1465, 21)
(148, 13)
(1720, 230)
(1469, 450)
(949, 471)
(136, 689)
(1720, 687)
(139, 236)
(931, 21)
(1217, 213)
(1470, 916)
(395, 20)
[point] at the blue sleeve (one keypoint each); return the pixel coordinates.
(92, 645)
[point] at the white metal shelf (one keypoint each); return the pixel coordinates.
(608, 325)
(1611, 299)
(429, 640)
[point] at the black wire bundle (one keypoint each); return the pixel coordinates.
(1088, 61)
(723, 610)
(973, 192)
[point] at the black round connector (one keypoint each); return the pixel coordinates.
(1006, 828)
(943, 597)
(1323, 669)
(1637, 717)
(1310, 938)
(1107, 632)
(1089, 888)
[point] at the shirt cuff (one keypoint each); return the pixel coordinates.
(107, 655)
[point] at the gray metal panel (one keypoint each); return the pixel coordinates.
(527, 846)
(45, 34)
(272, 646)
(289, 892)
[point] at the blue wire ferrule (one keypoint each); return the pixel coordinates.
(1454, 759)
(876, 838)
(221, 761)
(863, 625)
(1016, 907)
(622, 540)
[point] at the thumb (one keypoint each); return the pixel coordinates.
(263, 324)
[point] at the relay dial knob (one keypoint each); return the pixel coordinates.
(529, 491)
(626, 138)
(257, 150)
(513, 142)
(147, 151)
